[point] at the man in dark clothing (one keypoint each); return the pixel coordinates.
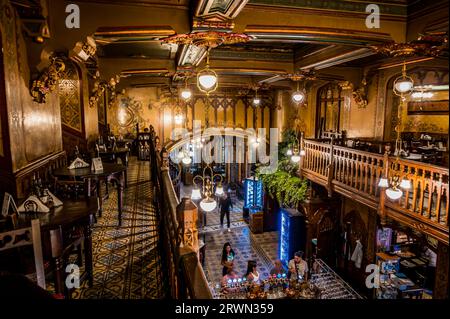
(224, 205)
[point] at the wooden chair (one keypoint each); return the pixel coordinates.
(23, 237)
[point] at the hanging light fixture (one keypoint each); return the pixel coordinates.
(187, 160)
(186, 93)
(207, 80)
(297, 150)
(299, 96)
(404, 84)
(208, 203)
(256, 100)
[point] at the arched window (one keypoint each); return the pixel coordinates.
(329, 100)
(70, 99)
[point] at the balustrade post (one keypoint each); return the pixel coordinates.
(164, 160)
(330, 173)
(187, 216)
(381, 207)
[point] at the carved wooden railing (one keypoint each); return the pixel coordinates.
(356, 174)
(183, 272)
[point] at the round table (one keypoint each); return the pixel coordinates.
(58, 220)
(114, 173)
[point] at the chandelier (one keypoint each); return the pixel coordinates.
(393, 181)
(207, 203)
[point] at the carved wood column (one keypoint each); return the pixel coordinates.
(187, 216)
(441, 285)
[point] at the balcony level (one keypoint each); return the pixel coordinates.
(355, 174)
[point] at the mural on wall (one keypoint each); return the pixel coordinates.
(70, 98)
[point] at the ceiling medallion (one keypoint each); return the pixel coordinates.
(425, 45)
(208, 39)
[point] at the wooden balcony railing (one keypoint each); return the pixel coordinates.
(356, 174)
(184, 275)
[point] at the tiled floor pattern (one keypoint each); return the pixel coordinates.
(126, 258)
(246, 245)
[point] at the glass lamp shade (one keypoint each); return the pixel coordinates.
(394, 193)
(207, 80)
(180, 155)
(405, 184)
(208, 204)
(186, 94)
(196, 195)
(178, 119)
(383, 182)
(219, 190)
(403, 85)
(302, 153)
(295, 158)
(298, 97)
(289, 152)
(187, 160)
(256, 101)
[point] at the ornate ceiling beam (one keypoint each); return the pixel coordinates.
(316, 35)
(339, 58)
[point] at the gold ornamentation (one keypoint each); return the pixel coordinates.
(425, 45)
(47, 81)
(99, 89)
(208, 39)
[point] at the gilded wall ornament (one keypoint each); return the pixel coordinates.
(47, 80)
(208, 39)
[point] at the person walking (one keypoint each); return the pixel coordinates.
(225, 205)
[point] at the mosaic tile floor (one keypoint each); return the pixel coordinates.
(263, 248)
(126, 258)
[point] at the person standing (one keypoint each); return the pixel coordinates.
(227, 259)
(225, 205)
(298, 267)
(431, 256)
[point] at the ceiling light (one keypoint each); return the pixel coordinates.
(186, 94)
(178, 118)
(208, 204)
(256, 101)
(298, 97)
(207, 78)
(403, 84)
(196, 195)
(187, 160)
(393, 193)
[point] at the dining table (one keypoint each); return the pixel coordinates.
(56, 226)
(111, 173)
(113, 154)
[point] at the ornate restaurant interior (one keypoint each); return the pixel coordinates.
(224, 149)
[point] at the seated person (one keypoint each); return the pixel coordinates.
(230, 275)
(298, 268)
(252, 274)
(277, 268)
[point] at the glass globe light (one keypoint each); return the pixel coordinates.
(404, 85)
(405, 184)
(256, 101)
(295, 158)
(298, 97)
(208, 204)
(178, 119)
(196, 195)
(394, 194)
(289, 152)
(219, 190)
(207, 80)
(383, 182)
(187, 160)
(186, 94)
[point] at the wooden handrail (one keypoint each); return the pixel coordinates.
(356, 174)
(184, 272)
